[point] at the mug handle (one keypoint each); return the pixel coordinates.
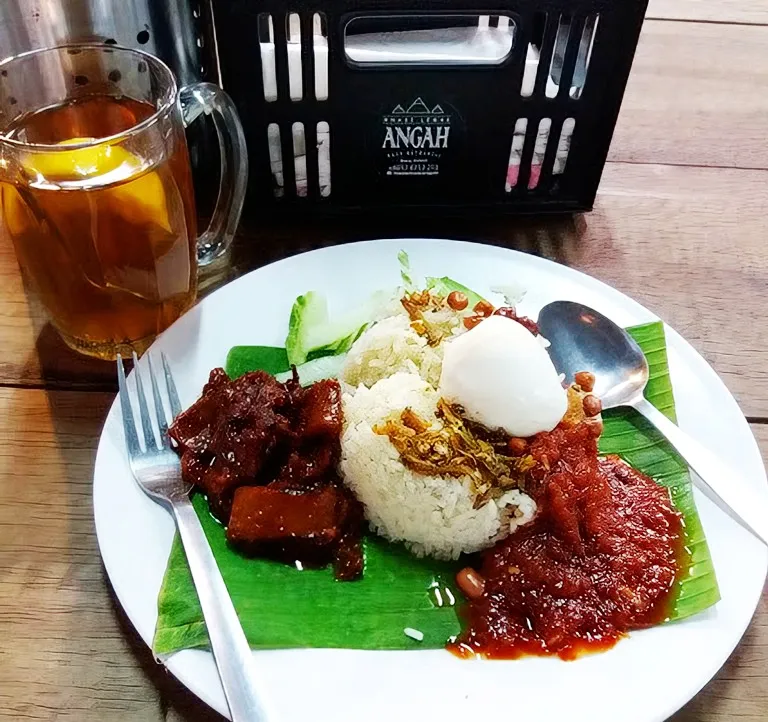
(209, 99)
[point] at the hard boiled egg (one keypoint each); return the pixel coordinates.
(503, 378)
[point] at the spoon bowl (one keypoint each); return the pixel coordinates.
(584, 340)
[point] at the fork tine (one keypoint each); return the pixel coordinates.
(162, 422)
(129, 427)
(146, 423)
(173, 396)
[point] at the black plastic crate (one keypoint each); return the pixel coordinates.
(426, 136)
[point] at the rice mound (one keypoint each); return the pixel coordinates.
(389, 346)
(432, 515)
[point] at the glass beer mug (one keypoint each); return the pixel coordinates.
(96, 190)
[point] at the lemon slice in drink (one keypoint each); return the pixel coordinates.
(141, 195)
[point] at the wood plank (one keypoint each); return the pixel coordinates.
(751, 12)
(695, 97)
(690, 245)
(70, 654)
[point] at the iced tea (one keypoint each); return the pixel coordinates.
(105, 232)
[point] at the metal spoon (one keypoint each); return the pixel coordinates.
(584, 340)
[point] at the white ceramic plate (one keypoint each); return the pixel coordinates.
(644, 678)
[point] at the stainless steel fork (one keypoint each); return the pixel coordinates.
(157, 469)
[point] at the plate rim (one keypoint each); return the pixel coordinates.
(179, 663)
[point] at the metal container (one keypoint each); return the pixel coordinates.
(173, 30)
(179, 32)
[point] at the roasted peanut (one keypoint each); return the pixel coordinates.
(592, 405)
(585, 380)
(472, 321)
(517, 446)
(457, 300)
(483, 308)
(471, 583)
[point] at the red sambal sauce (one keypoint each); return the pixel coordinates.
(601, 558)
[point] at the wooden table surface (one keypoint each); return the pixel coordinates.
(686, 185)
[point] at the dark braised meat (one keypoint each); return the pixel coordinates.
(320, 415)
(316, 527)
(348, 555)
(228, 435)
(308, 466)
(265, 453)
(268, 514)
(205, 412)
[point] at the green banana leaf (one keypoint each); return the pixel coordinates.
(281, 606)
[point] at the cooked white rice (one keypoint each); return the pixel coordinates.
(432, 515)
(391, 345)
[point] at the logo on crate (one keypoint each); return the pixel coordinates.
(414, 138)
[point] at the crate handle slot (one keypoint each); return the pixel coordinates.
(429, 39)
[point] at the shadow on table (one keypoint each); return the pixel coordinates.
(62, 368)
(554, 237)
(55, 364)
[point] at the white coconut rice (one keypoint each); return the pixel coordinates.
(388, 369)
(389, 346)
